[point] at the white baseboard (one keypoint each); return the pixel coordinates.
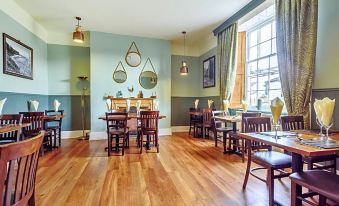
(103, 135)
(180, 128)
(72, 134)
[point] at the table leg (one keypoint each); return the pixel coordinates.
(297, 166)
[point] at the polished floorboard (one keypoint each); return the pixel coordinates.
(187, 171)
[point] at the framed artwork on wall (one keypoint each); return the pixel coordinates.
(17, 58)
(209, 72)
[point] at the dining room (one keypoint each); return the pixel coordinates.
(169, 103)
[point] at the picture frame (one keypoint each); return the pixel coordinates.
(17, 58)
(209, 72)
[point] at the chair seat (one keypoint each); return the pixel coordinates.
(203, 125)
(53, 127)
(319, 181)
(118, 132)
(224, 129)
(276, 160)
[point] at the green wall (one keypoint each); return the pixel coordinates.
(327, 57)
(9, 83)
(65, 64)
(106, 52)
(185, 85)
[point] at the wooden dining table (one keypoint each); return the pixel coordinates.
(291, 143)
(50, 118)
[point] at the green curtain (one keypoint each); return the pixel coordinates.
(227, 43)
(296, 23)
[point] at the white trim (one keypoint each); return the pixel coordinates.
(180, 128)
(103, 135)
(72, 134)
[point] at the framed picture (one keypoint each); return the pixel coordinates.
(18, 58)
(209, 72)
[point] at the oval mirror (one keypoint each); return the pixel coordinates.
(148, 79)
(133, 59)
(120, 76)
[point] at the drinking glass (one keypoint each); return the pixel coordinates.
(327, 128)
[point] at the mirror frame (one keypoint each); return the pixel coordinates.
(129, 62)
(116, 80)
(155, 76)
(120, 70)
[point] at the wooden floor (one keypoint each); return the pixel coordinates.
(187, 171)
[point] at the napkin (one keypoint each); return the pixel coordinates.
(128, 105)
(196, 102)
(2, 103)
(226, 104)
(138, 105)
(33, 105)
(209, 103)
(156, 104)
(56, 105)
(317, 109)
(244, 105)
(109, 104)
(277, 106)
(327, 107)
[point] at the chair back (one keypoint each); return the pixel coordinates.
(18, 166)
(257, 124)
(149, 120)
(58, 113)
(7, 119)
(292, 123)
(244, 115)
(217, 123)
(194, 117)
(37, 123)
(116, 121)
(206, 116)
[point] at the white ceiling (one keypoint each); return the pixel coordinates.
(163, 19)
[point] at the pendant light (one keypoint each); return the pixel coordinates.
(78, 36)
(184, 67)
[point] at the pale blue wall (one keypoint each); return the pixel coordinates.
(9, 83)
(106, 51)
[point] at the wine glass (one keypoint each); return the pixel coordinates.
(276, 127)
(327, 127)
(319, 123)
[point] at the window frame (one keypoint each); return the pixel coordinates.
(257, 28)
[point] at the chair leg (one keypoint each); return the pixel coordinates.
(109, 146)
(157, 142)
(59, 137)
(294, 198)
(224, 141)
(243, 150)
(123, 145)
(334, 166)
(216, 138)
(189, 131)
(31, 201)
(249, 160)
(270, 181)
(322, 200)
(141, 142)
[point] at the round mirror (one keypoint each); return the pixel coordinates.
(148, 79)
(120, 76)
(133, 59)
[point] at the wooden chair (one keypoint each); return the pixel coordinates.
(116, 123)
(194, 119)
(18, 166)
(219, 127)
(37, 126)
(206, 125)
(270, 160)
(322, 183)
(297, 123)
(55, 125)
(10, 136)
(149, 127)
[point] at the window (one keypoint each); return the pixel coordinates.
(262, 79)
